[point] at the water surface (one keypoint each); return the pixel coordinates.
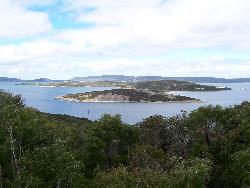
(42, 98)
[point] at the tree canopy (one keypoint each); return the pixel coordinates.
(210, 147)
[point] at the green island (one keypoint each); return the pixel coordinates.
(209, 147)
(125, 95)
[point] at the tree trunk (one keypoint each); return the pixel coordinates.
(207, 134)
(1, 177)
(58, 183)
(14, 160)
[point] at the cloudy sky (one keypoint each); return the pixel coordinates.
(66, 38)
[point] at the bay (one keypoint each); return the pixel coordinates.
(42, 98)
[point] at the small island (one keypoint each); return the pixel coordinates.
(125, 95)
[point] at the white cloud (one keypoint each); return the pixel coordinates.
(66, 67)
(127, 66)
(35, 2)
(124, 37)
(30, 51)
(166, 24)
(18, 22)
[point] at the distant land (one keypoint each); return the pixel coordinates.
(157, 78)
(156, 86)
(122, 78)
(7, 79)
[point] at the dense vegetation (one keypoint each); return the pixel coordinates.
(131, 95)
(207, 148)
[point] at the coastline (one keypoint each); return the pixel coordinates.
(61, 98)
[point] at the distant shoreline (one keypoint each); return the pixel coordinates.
(158, 86)
(194, 79)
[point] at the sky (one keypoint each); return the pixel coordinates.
(61, 39)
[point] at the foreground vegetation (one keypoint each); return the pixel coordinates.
(207, 148)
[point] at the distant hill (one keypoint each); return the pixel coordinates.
(41, 80)
(209, 79)
(122, 78)
(6, 79)
(114, 78)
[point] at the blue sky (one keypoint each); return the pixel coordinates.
(67, 38)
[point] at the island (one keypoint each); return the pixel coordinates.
(125, 95)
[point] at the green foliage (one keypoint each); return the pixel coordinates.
(7, 99)
(52, 166)
(191, 173)
(206, 148)
(107, 142)
(122, 177)
(152, 131)
(30, 150)
(147, 157)
(240, 167)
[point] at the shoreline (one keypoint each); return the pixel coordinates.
(60, 98)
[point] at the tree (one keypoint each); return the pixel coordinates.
(240, 168)
(147, 157)
(152, 130)
(53, 166)
(191, 173)
(107, 142)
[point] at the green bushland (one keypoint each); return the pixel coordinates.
(207, 148)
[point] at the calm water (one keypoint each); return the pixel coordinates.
(43, 99)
